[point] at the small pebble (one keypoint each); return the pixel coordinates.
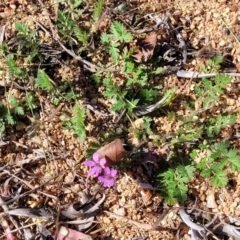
(120, 211)
(222, 197)
(94, 101)
(226, 31)
(222, 43)
(211, 200)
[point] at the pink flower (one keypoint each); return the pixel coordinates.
(96, 165)
(108, 179)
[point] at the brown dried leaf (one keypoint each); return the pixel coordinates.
(146, 196)
(145, 48)
(114, 152)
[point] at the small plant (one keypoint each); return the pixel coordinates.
(76, 123)
(14, 69)
(214, 125)
(119, 98)
(43, 81)
(212, 64)
(210, 91)
(174, 183)
(218, 160)
(28, 42)
(70, 30)
(9, 113)
(98, 7)
(113, 40)
(74, 8)
(99, 169)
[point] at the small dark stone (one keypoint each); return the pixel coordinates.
(226, 31)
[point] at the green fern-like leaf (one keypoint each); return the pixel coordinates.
(98, 7)
(220, 179)
(105, 40)
(13, 101)
(174, 183)
(222, 80)
(10, 119)
(219, 123)
(234, 159)
(21, 28)
(119, 105)
(43, 81)
(207, 84)
(114, 52)
(13, 67)
(189, 170)
(205, 171)
(119, 33)
(19, 110)
(81, 35)
(76, 123)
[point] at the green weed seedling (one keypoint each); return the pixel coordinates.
(112, 41)
(202, 134)
(76, 123)
(10, 112)
(173, 183)
(219, 160)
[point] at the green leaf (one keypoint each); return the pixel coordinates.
(119, 33)
(19, 110)
(105, 38)
(159, 70)
(190, 171)
(43, 81)
(13, 101)
(148, 95)
(21, 27)
(129, 67)
(205, 172)
(207, 83)
(220, 179)
(13, 67)
(114, 52)
(234, 159)
(119, 105)
(76, 123)
(98, 7)
(132, 104)
(174, 183)
(82, 36)
(193, 154)
(10, 119)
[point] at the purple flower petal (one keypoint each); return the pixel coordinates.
(95, 171)
(108, 179)
(96, 165)
(95, 157)
(89, 163)
(114, 173)
(101, 178)
(107, 171)
(108, 183)
(102, 162)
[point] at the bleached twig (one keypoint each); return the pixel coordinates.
(193, 74)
